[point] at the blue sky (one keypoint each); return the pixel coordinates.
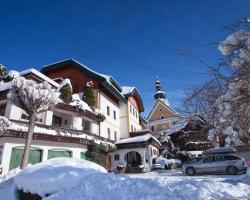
(132, 40)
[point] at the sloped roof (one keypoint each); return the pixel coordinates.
(7, 85)
(107, 81)
(141, 138)
(168, 107)
(39, 74)
(132, 91)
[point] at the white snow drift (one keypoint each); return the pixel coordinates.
(55, 175)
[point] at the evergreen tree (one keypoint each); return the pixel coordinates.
(88, 94)
(3, 73)
(66, 93)
(98, 153)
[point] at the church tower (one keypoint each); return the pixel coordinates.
(159, 94)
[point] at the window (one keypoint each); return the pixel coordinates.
(114, 114)
(108, 133)
(115, 135)
(208, 160)
(133, 112)
(152, 128)
(86, 125)
(194, 160)
(160, 109)
(117, 157)
(136, 114)
(130, 107)
(108, 110)
(162, 117)
(2, 109)
(219, 158)
(132, 128)
(229, 157)
(56, 121)
(26, 117)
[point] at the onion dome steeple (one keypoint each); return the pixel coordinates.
(159, 94)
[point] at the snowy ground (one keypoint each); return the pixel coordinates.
(149, 186)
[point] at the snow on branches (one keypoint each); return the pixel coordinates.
(32, 96)
(4, 124)
(234, 105)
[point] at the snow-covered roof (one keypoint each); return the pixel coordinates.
(127, 89)
(108, 81)
(6, 86)
(39, 74)
(177, 127)
(220, 150)
(141, 138)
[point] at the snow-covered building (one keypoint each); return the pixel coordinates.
(190, 134)
(136, 154)
(63, 131)
(120, 105)
(161, 116)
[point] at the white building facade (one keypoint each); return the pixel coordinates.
(58, 133)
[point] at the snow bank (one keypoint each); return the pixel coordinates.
(115, 187)
(55, 175)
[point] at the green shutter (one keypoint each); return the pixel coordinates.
(17, 155)
(58, 153)
(83, 156)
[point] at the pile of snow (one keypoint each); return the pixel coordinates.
(111, 186)
(55, 175)
(77, 102)
(64, 82)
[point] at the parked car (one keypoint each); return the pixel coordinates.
(221, 163)
(163, 163)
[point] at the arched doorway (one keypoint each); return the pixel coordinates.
(134, 160)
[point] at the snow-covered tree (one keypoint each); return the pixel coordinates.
(4, 124)
(3, 72)
(88, 94)
(7, 76)
(33, 98)
(66, 91)
(234, 105)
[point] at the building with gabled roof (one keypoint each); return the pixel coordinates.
(58, 133)
(161, 116)
(120, 105)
